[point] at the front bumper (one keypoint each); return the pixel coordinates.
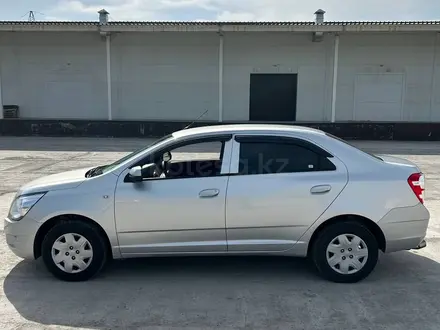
(20, 236)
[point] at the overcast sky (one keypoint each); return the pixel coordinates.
(258, 10)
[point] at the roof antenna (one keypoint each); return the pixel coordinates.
(31, 15)
(186, 127)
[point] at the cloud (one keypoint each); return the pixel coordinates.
(127, 10)
(248, 10)
(235, 16)
(54, 18)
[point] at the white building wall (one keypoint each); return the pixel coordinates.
(174, 76)
(435, 87)
(409, 57)
(167, 76)
(246, 53)
(54, 75)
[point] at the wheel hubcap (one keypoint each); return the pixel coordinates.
(72, 253)
(347, 254)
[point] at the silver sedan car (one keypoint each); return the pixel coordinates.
(225, 190)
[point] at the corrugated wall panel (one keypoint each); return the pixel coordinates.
(247, 53)
(169, 76)
(174, 76)
(54, 75)
(409, 54)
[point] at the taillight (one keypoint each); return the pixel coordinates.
(417, 183)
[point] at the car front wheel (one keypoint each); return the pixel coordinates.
(74, 251)
(345, 252)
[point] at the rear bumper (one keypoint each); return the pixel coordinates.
(405, 228)
(421, 245)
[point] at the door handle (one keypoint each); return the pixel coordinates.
(207, 193)
(321, 189)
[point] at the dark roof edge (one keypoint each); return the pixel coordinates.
(226, 26)
(196, 23)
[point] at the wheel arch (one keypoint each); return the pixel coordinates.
(47, 225)
(370, 224)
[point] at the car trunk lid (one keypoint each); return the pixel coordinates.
(399, 161)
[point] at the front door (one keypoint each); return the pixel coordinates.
(281, 187)
(182, 211)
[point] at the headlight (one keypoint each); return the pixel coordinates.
(22, 204)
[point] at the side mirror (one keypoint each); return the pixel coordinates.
(135, 174)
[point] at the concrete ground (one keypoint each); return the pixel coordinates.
(206, 293)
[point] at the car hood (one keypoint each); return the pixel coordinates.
(63, 180)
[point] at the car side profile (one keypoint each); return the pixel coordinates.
(225, 190)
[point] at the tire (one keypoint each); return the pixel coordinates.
(328, 241)
(87, 241)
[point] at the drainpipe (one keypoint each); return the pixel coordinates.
(1, 93)
(103, 20)
(433, 82)
(1, 98)
(335, 78)
(109, 77)
(220, 78)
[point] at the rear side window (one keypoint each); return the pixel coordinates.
(272, 157)
(349, 144)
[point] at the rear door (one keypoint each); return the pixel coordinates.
(278, 187)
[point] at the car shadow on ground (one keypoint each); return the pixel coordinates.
(231, 292)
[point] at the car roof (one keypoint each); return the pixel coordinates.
(243, 128)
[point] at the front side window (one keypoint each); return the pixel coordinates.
(198, 151)
(280, 157)
(195, 160)
(108, 168)
(191, 159)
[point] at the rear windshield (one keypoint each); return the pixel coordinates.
(349, 144)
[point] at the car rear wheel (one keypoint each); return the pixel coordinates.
(345, 252)
(74, 251)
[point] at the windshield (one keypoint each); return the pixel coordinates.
(134, 153)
